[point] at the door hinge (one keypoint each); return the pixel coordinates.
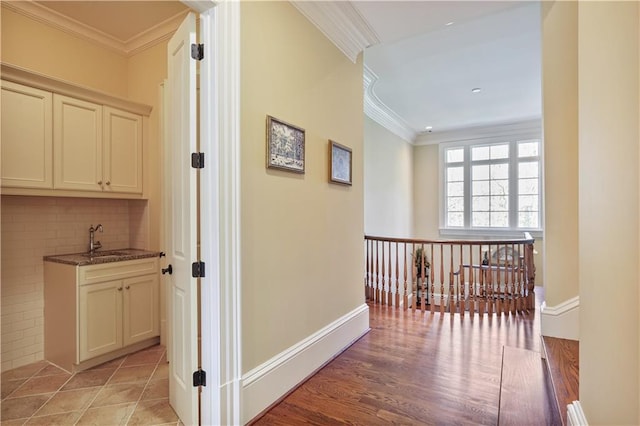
(197, 51)
(197, 269)
(199, 378)
(197, 160)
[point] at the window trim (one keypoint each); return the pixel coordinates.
(513, 161)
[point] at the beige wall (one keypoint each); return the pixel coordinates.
(608, 210)
(426, 201)
(32, 45)
(302, 237)
(145, 72)
(388, 183)
(560, 111)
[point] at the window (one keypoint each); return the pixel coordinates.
(492, 185)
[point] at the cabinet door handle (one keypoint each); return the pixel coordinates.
(119, 288)
(99, 182)
(128, 287)
(168, 269)
(108, 182)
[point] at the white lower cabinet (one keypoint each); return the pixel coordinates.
(140, 309)
(100, 319)
(116, 307)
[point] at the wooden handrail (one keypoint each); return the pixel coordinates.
(451, 275)
(527, 239)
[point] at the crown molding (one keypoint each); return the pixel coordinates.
(30, 78)
(136, 44)
(522, 128)
(341, 23)
(154, 35)
(199, 6)
(50, 17)
(375, 109)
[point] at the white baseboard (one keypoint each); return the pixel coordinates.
(268, 382)
(575, 415)
(561, 321)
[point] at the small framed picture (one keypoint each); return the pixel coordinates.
(285, 146)
(340, 163)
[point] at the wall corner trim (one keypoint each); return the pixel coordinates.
(375, 109)
(266, 383)
(575, 415)
(341, 23)
(561, 321)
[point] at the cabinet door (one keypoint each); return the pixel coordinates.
(122, 151)
(141, 299)
(77, 142)
(27, 159)
(100, 319)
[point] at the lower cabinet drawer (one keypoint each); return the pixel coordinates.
(91, 274)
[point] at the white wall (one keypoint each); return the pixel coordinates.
(388, 183)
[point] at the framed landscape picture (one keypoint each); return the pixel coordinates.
(285, 146)
(340, 163)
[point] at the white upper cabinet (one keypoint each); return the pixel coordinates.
(77, 141)
(97, 148)
(122, 150)
(63, 139)
(26, 139)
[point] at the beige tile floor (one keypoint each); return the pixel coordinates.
(132, 390)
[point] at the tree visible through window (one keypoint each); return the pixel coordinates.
(493, 186)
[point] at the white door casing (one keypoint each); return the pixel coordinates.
(220, 194)
(181, 124)
(220, 205)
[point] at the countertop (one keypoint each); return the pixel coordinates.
(101, 256)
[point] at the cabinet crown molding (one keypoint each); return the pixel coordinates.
(30, 78)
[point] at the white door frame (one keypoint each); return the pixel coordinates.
(220, 210)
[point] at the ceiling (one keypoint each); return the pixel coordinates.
(419, 70)
(425, 69)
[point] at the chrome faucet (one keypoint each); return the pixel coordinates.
(94, 245)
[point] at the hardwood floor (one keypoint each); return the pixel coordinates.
(521, 401)
(415, 368)
(563, 363)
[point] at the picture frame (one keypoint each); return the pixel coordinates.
(340, 163)
(285, 146)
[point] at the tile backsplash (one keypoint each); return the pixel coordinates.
(33, 227)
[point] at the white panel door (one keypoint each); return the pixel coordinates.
(181, 122)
